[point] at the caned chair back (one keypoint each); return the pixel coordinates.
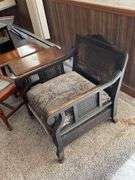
(97, 59)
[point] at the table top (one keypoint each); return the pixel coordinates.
(38, 60)
(18, 53)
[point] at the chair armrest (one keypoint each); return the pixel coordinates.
(78, 99)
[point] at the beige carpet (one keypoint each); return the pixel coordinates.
(27, 153)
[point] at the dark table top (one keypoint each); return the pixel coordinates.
(18, 53)
(36, 61)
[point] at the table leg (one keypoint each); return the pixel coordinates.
(5, 120)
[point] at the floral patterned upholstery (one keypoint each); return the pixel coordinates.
(45, 97)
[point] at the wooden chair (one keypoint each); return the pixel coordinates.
(7, 88)
(72, 103)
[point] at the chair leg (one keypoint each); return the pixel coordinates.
(60, 149)
(114, 120)
(114, 112)
(5, 120)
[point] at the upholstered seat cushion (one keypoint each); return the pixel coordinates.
(43, 98)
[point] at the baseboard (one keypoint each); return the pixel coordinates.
(125, 88)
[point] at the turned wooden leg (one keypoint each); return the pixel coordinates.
(5, 120)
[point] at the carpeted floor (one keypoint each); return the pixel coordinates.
(27, 153)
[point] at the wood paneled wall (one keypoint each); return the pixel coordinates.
(68, 19)
(23, 17)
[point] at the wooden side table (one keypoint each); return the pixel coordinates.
(7, 88)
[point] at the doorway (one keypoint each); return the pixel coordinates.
(38, 18)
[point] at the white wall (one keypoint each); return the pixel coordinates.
(38, 18)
